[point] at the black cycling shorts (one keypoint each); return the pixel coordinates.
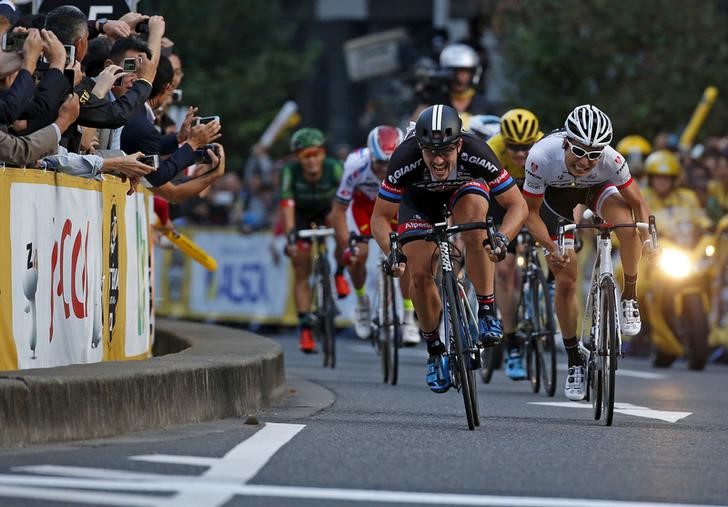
(559, 203)
(420, 210)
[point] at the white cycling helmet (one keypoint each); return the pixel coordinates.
(590, 126)
(484, 126)
(461, 56)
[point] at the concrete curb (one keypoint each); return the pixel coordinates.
(225, 372)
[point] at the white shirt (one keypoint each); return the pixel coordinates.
(546, 167)
(358, 181)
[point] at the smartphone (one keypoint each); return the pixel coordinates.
(70, 54)
(201, 155)
(130, 65)
(150, 160)
(70, 76)
(177, 95)
(13, 41)
(206, 119)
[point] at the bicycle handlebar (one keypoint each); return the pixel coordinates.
(315, 233)
(606, 227)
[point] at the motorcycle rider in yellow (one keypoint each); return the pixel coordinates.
(519, 130)
(683, 222)
(677, 209)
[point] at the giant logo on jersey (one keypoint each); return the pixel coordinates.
(482, 162)
(396, 175)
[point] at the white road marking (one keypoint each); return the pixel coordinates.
(623, 408)
(176, 460)
(648, 375)
(204, 490)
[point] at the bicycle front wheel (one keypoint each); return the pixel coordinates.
(458, 364)
(608, 348)
(545, 328)
(395, 332)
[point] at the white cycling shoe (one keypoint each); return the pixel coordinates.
(410, 331)
(575, 387)
(629, 318)
(363, 318)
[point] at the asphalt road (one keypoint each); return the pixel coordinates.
(344, 438)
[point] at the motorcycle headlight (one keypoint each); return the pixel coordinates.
(675, 263)
(710, 251)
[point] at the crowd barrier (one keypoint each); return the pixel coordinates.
(252, 284)
(75, 270)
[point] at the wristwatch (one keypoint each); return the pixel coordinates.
(100, 24)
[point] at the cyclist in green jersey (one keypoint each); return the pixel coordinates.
(308, 187)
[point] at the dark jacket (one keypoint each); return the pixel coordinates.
(15, 99)
(139, 134)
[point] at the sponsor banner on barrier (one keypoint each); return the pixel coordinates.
(138, 323)
(56, 274)
(253, 282)
(251, 279)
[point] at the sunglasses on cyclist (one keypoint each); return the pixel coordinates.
(313, 151)
(443, 152)
(519, 147)
(580, 152)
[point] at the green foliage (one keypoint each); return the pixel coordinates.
(645, 63)
(242, 60)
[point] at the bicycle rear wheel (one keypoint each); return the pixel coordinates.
(491, 358)
(608, 348)
(545, 329)
(457, 351)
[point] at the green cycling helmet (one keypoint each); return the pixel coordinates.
(306, 138)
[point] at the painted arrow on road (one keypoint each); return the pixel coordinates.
(623, 408)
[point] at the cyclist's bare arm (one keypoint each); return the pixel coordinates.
(516, 211)
(535, 224)
(288, 215)
(384, 212)
(338, 220)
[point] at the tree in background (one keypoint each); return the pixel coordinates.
(645, 63)
(242, 60)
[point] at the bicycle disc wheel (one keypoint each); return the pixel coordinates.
(458, 357)
(395, 335)
(545, 327)
(608, 352)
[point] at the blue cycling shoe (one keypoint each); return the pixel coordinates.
(490, 331)
(438, 373)
(514, 366)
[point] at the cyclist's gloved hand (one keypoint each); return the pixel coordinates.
(500, 247)
(395, 263)
(350, 255)
(650, 250)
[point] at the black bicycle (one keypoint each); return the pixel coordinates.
(461, 327)
(322, 304)
(386, 324)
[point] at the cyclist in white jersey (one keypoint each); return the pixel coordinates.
(364, 169)
(577, 166)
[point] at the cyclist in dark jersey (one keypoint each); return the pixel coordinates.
(441, 165)
(308, 187)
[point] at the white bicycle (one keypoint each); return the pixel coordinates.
(605, 341)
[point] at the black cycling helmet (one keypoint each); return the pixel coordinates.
(438, 126)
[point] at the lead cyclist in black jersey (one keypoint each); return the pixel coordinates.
(441, 165)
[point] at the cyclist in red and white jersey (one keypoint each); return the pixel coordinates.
(577, 166)
(364, 169)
